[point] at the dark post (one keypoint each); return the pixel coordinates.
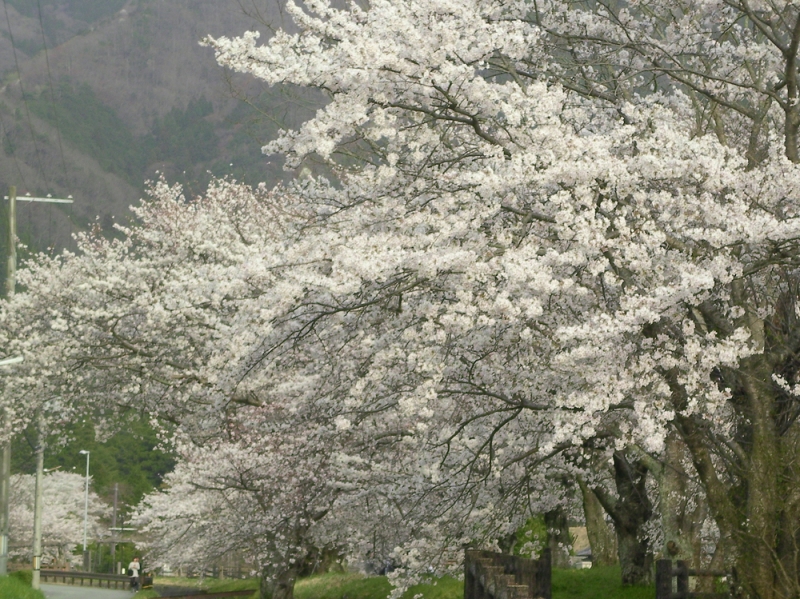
(542, 585)
(664, 579)
(527, 575)
(469, 582)
(683, 578)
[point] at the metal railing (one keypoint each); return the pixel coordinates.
(220, 595)
(107, 581)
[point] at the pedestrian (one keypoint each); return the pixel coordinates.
(133, 572)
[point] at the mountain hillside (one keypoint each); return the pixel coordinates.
(123, 91)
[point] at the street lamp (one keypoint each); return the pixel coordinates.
(85, 512)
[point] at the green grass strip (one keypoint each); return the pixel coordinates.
(593, 583)
(14, 588)
(596, 583)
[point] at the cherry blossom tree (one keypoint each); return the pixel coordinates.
(646, 267)
(62, 515)
(171, 320)
(192, 317)
(264, 494)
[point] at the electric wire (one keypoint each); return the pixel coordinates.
(52, 93)
(13, 153)
(24, 99)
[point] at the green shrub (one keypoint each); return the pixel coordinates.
(531, 537)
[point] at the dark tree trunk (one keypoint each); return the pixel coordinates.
(602, 539)
(284, 584)
(683, 506)
(630, 511)
(266, 584)
(281, 586)
(558, 539)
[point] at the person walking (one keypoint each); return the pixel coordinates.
(133, 572)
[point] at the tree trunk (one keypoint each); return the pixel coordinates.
(635, 560)
(756, 555)
(279, 587)
(602, 538)
(759, 519)
(630, 512)
(265, 585)
(284, 584)
(682, 505)
(558, 539)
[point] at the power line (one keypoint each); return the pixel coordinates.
(13, 153)
(52, 94)
(24, 99)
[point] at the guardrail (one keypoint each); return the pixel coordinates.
(108, 581)
(221, 595)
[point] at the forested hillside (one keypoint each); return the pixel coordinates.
(99, 96)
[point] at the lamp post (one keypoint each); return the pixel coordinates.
(85, 512)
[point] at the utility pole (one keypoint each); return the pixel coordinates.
(37, 504)
(5, 456)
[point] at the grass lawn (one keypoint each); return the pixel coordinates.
(212, 585)
(594, 583)
(14, 588)
(337, 585)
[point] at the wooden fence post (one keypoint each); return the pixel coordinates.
(542, 586)
(664, 579)
(469, 582)
(682, 573)
(526, 573)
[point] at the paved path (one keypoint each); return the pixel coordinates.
(66, 591)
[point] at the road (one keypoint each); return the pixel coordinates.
(65, 591)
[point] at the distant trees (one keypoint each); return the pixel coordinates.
(182, 138)
(123, 452)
